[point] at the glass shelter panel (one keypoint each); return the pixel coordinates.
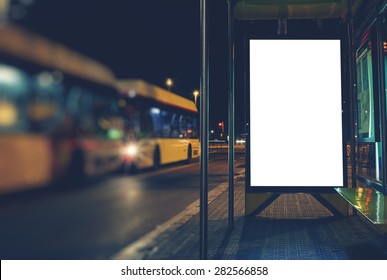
(365, 100)
(369, 146)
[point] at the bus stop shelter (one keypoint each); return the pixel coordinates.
(282, 12)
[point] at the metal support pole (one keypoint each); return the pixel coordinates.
(231, 115)
(351, 88)
(381, 36)
(204, 125)
(282, 26)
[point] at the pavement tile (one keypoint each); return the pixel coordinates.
(294, 226)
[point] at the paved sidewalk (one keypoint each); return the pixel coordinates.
(295, 226)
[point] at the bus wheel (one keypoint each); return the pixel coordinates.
(156, 158)
(189, 156)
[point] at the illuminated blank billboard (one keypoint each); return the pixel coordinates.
(295, 113)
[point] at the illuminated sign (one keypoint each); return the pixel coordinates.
(295, 113)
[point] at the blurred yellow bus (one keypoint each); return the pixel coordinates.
(59, 113)
(160, 126)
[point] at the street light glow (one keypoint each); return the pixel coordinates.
(169, 83)
(195, 94)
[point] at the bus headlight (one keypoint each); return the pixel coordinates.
(131, 150)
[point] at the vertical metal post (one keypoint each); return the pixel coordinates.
(351, 89)
(381, 21)
(282, 26)
(204, 125)
(231, 115)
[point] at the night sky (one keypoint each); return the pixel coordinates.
(154, 39)
(149, 40)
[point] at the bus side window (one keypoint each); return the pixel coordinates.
(155, 114)
(182, 127)
(79, 111)
(146, 124)
(102, 111)
(191, 127)
(14, 91)
(175, 125)
(194, 122)
(133, 125)
(45, 108)
(166, 120)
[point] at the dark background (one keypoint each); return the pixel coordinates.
(156, 39)
(150, 40)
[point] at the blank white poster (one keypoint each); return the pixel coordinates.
(295, 113)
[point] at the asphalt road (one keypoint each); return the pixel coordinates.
(97, 220)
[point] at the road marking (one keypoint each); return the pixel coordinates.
(139, 249)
